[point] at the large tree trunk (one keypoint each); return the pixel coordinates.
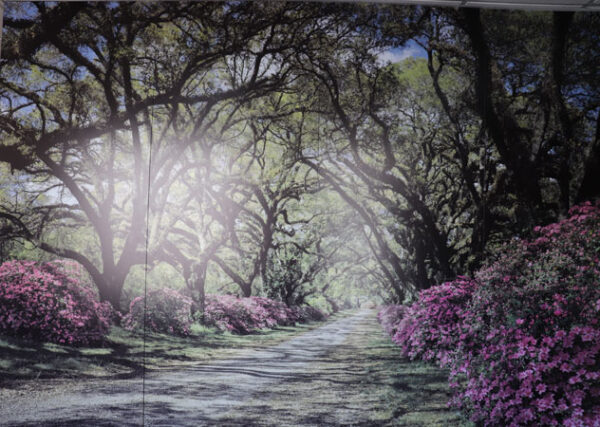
(561, 24)
(111, 294)
(110, 289)
(590, 184)
(500, 123)
(246, 289)
(196, 284)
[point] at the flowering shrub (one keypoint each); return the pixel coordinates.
(431, 328)
(244, 315)
(307, 313)
(240, 315)
(532, 356)
(390, 317)
(527, 339)
(166, 311)
(48, 301)
(275, 312)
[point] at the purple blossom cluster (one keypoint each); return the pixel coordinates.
(307, 313)
(431, 328)
(245, 315)
(522, 339)
(169, 312)
(390, 317)
(50, 302)
(166, 310)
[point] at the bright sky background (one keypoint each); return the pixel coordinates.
(400, 53)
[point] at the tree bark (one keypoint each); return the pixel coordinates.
(195, 279)
(501, 125)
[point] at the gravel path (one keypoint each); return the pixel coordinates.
(194, 396)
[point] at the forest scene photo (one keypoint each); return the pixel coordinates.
(270, 213)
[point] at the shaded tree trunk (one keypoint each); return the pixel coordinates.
(590, 185)
(195, 280)
(501, 125)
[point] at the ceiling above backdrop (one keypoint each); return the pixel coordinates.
(573, 5)
(567, 5)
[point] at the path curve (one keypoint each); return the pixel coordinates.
(191, 396)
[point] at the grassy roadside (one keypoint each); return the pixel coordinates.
(364, 382)
(122, 356)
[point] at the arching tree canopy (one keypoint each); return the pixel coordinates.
(275, 149)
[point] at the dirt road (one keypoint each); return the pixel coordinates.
(317, 378)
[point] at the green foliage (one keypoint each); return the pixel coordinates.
(284, 276)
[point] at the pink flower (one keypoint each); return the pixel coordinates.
(53, 304)
(545, 403)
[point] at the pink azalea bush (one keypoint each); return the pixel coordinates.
(240, 315)
(274, 312)
(245, 315)
(49, 301)
(532, 352)
(390, 317)
(167, 311)
(525, 330)
(431, 328)
(307, 313)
